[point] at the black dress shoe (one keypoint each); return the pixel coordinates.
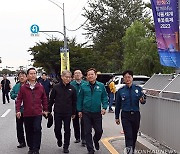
(65, 150)
(21, 145)
(96, 144)
(36, 152)
(83, 143)
(77, 141)
(59, 143)
(91, 152)
(30, 152)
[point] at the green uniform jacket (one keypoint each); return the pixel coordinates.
(77, 86)
(92, 100)
(14, 93)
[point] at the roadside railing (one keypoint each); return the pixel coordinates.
(160, 116)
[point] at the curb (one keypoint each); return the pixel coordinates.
(143, 144)
(148, 145)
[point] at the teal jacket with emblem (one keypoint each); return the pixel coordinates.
(92, 99)
(77, 85)
(14, 93)
(15, 90)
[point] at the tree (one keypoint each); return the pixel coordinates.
(6, 71)
(140, 55)
(81, 57)
(47, 56)
(107, 23)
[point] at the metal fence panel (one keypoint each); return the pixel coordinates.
(158, 82)
(174, 86)
(160, 120)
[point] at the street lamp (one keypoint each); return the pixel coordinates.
(64, 34)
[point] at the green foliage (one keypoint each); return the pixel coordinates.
(6, 71)
(81, 58)
(140, 52)
(108, 21)
(122, 33)
(47, 56)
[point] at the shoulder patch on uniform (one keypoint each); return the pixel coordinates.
(136, 91)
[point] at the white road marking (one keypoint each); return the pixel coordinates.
(5, 114)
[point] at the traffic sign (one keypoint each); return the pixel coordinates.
(34, 29)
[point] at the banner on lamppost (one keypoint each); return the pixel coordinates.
(64, 59)
(166, 18)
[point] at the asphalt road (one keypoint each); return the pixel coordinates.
(8, 141)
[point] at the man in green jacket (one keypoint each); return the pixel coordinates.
(19, 122)
(78, 123)
(92, 104)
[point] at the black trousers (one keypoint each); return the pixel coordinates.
(78, 125)
(66, 120)
(92, 120)
(20, 129)
(33, 132)
(130, 123)
(5, 95)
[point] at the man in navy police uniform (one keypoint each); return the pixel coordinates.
(127, 100)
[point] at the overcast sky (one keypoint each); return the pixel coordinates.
(17, 16)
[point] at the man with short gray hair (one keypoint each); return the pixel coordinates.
(63, 97)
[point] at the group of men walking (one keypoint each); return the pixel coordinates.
(80, 100)
(85, 102)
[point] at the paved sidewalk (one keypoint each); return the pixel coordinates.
(118, 144)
